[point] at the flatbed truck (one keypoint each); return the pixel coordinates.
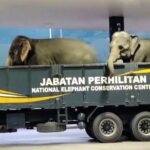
(52, 97)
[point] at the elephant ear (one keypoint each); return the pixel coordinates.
(135, 43)
(26, 47)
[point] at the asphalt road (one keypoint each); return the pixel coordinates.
(72, 139)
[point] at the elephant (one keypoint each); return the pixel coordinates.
(27, 51)
(127, 48)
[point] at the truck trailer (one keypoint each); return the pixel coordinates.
(49, 98)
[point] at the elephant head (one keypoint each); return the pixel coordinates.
(19, 51)
(122, 47)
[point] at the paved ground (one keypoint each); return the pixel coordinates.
(72, 139)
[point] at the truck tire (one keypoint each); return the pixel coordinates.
(89, 131)
(107, 127)
(140, 126)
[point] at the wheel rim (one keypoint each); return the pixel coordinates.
(107, 127)
(144, 126)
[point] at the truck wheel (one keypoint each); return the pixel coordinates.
(140, 126)
(107, 127)
(89, 131)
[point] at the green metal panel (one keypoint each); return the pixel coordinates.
(73, 98)
(57, 86)
(3, 78)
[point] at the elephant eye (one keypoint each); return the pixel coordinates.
(14, 52)
(11, 53)
(120, 47)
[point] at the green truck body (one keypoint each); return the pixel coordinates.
(50, 97)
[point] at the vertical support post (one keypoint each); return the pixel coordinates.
(50, 33)
(61, 33)
(116, 23)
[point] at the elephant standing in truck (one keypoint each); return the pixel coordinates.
(26, 51)
(127, 48)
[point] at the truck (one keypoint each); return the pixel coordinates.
(52, 97)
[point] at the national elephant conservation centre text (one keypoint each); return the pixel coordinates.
(97, 83)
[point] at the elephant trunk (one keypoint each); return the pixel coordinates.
(114, 55)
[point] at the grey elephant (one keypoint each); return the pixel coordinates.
(26, 51)
(127, 48)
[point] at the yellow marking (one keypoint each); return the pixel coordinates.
(143, 71)
(8, 92)
(28, 99)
